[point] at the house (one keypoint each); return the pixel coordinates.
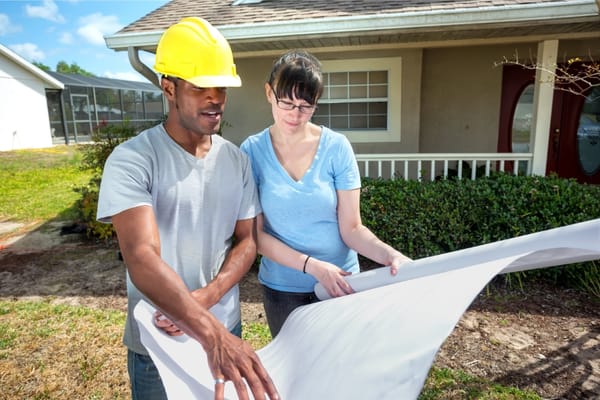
(89, 102)
(420, 88)
(23, 87)
(48, 108)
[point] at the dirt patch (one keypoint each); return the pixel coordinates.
(545, 339)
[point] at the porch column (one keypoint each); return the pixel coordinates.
(542, 104)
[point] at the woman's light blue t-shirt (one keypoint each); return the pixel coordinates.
(303, 214)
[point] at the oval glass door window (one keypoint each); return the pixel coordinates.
(588, 134)
(521, 126)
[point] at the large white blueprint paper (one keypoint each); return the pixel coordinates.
(379, 343)
(569, 244)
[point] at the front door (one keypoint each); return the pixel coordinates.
(574, 147)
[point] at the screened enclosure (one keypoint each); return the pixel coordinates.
(87, 103)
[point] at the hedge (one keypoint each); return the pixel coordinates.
(427, 218)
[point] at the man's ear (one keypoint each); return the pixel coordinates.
(168, 87)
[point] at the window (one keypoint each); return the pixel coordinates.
(521, 126)
(361, 99)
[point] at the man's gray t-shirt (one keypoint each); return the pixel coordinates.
(197, 203)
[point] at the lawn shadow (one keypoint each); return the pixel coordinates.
(579, 359)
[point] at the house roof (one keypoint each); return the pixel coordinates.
(253, 27)
(51, 82)
(94, 81)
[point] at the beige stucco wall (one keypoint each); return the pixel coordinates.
(450, 98)
(461, 99)
(462, 88)
(248, 111)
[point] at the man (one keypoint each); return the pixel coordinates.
(179, 196)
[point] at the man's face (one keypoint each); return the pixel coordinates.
(199, 110)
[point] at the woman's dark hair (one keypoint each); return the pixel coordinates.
(297, 73)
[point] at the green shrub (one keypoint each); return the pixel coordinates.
(94, 157)
(427, 218)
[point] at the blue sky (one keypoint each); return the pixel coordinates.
(73, 31)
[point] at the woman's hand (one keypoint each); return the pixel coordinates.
(330, 276)
(397, 260)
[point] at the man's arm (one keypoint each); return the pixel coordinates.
(228, 356)
(235, 267)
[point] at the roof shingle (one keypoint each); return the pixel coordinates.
(222, 12)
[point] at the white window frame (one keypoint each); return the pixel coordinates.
(393, 66)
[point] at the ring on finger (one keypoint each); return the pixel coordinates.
(219, 381)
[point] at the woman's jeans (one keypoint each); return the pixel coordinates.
(278, 305)
(144, 377)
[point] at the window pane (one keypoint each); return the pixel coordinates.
(358, 92)
(153, 105)
(378, 91)
(356, 78)
(81, 107)
(339, 109)
(358, 108)
(521, 126)
(108, 104)
(339, 123)
(358, 121)
(378, 122)
(55, 112)
(378, 108)
(378, 77)
(133, 108)
(323, 109)
(338, 92)
(338, 78)
(588, 134)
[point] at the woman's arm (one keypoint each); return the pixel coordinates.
(329, 275)
(359, 238)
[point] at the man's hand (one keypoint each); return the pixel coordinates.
(232, 359)
(166, 325)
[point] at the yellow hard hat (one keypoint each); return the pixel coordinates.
(194, 50)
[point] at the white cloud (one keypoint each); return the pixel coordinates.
(6, 26)
(66, 38)
(28, 51)
(127, 76)
(93, 27)
(48, 10)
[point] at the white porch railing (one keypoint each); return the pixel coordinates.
(432, 166)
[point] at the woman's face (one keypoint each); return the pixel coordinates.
(290, 115)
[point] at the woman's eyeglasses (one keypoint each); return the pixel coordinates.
(288, 106)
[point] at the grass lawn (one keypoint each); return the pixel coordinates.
(37, 185)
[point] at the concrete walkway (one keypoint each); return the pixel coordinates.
(5, 229)
(29, 238)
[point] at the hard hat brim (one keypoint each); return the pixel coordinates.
(215, 81)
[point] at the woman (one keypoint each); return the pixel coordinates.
(309, 187)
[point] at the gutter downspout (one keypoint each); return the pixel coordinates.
(139, 66)
(147, 72)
